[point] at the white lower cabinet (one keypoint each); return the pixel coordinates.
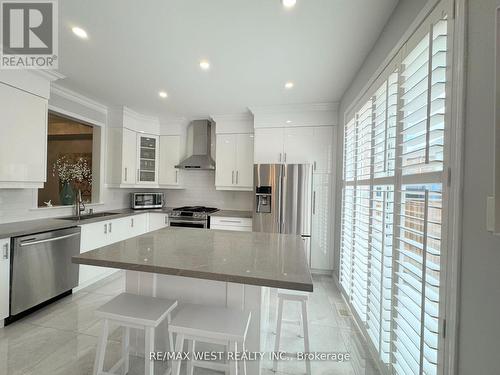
(104, 233)
(231, 223)
(4, 278)
(157, 220)
(321, 249)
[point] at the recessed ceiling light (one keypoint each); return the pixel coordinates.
(79, 32)
(289, 85)
(288, 121)
(163, 94)
(288, 3)
(204, 64)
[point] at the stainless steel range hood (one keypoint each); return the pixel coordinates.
(200, 159)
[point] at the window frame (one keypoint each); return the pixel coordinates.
(98, 147)
(453, 160)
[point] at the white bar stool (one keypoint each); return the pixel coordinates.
(302, 298)
(132, 311)
(215, 325)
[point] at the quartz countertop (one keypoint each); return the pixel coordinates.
(233, 213)
(21, 228)
(254, 258)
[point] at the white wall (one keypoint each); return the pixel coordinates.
(400, 20)
(480, 278)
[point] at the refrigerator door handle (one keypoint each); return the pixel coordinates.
(280, 196)
(314, 203)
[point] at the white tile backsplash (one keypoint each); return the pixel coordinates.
(18, 204)
(200, 190)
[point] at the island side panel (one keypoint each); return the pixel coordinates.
(216, 293)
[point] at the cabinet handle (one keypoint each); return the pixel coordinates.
(315, 165)
(176, 177)
(237, 176)
(280, 157)
(6, 251)
(314, 203)
(230, 221)
(105, 228)
(109, 227)
(125, 173)
(132, 222)
(232, 177)
(285, 158)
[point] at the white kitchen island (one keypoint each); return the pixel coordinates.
(212, 267)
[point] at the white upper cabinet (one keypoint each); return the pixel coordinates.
(137, 155)
(244, 160)
(296, 145)
(225, 160)
(129, 157)
(23, 123)
(269, 148)
(147, 159)
(170, 155)
(324, 139)
(299, 145)
(234, 162)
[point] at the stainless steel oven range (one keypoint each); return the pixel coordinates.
(191, 217)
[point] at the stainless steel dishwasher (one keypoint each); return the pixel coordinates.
(41, 267)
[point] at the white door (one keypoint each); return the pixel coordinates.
(4, 277)
(268, 145)
(244, 160)
(169, 158)
(157, 221)
(129, 156)
(138, 224)
(324, 146)
(23, 138)
(119, 229)
(321, 251)
(93, 236)
(225, 168)
(147, 159)
(299, 145)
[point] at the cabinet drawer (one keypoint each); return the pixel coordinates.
(231, 227)
(230, 221)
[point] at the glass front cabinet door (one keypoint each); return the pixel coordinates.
(147, 166)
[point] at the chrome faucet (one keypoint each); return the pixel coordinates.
(79, 205)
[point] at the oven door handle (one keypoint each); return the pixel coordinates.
(188, 221)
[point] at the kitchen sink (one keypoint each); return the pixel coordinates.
(90, 216)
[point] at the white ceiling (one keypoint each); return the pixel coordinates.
(137, 48)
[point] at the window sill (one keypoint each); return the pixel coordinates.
(65, 207)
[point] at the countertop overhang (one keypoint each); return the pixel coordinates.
(262, 259)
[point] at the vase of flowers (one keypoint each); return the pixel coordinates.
(72, 175)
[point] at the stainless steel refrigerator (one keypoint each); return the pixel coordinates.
(283, 200)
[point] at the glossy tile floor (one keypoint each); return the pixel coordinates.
(61, 338)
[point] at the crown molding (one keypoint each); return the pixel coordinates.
(50, 75)
(78, 98)
(246, 116)
(139, 116)
(293, 108)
